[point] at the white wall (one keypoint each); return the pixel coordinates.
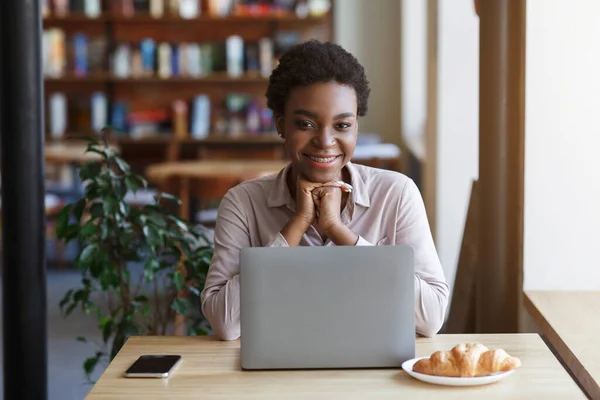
(413, 96)
(372, 34)
(457, 140)
(562, 146)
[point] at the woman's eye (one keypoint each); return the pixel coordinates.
(304, 124)
(343, 126)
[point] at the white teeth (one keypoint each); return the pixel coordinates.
(322, 160)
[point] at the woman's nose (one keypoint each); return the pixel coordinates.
(324, 138)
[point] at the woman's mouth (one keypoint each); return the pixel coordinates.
(323, 159)
(319, 161)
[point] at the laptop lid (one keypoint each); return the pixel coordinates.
(327, 307)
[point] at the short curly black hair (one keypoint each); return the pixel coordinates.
(314, 61)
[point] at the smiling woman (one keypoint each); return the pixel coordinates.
(318, 92)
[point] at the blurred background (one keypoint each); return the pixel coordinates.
(181, 84)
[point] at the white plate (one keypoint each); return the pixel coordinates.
(452, 381)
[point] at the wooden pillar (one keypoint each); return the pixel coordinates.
(499, 275)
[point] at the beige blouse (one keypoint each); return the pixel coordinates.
(384, 208)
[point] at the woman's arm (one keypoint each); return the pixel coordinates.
(431, 289)
(221, 295)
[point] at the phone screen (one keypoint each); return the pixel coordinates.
(153, 365)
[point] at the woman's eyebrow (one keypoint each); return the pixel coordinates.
(344, 115)
(313, 115)
(305, 113)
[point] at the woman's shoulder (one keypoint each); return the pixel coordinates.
(383, 180)
(253, 191)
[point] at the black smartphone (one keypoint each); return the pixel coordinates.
(153, 366)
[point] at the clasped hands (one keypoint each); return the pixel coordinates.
(320, 202)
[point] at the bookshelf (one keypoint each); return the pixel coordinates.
(155, 97)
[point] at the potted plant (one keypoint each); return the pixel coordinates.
(172, 257)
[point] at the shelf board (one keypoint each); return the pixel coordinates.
(76, 18)
(147, 18)
(215, 77)
(213, 139)
(246, 139)
(70, 78)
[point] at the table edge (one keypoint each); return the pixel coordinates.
(562, 351)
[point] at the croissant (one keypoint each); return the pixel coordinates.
(467, 360)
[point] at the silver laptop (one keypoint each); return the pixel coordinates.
(327, 307)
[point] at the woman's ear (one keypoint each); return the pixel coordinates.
(279, 125)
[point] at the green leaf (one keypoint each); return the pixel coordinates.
(141, 299)
(62, 221)
(179, 280)
(89, 170)
(157, 220)
(71, 233)
(153, 236)
(124, 208)
(168, 196)
(96, 210)
(67, 298)
(146, 310)
(143, 181)
(104, 229)
(109, 128)
(87, 254)
(92, 149)
(90, 364)
(150, 269)
(79, 295)
(78, 209)
(180, 306)
(88, 307)
(82, 339)
(107, 330)
(110, 205)
(120, 189)
(88, 229)
(132, 183)
(179, 222)
(185, 248)
(123, 166)
(70, 309)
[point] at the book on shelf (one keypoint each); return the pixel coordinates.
(57, 115)
(80, 54)
(99, 111)
(200, 123)
(188, 9)
(157, 8)
(141, 6)
(195, 60)
(54, 52)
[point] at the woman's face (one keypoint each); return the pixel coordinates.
(320, 127)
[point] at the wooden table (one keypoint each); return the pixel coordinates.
(230, 172)
(69, 153)
(570, 321)
(211, 370)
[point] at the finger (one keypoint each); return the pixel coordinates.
(339, 184)
(316, 198)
